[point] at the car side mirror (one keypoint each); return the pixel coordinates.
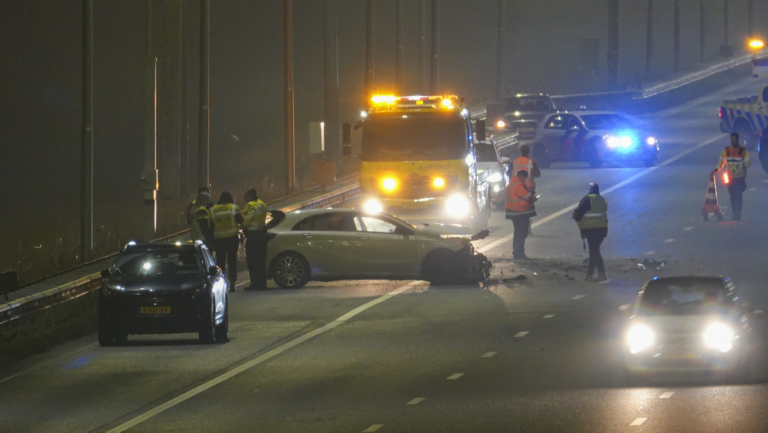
(505, 160)
(105, 274)
(213, 270)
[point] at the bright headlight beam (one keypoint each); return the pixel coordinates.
(438, 182)
(719, 336)
(372, 206)
(147, 266)
(639, 338)
(650, 141)
(501, 124)
(612, 142)
(457, 206)
(495, 177)
(389, 184)
(625, 141)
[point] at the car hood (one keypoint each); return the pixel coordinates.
(156, 284)
(684, 325)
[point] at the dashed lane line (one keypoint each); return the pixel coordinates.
(578, 296)
(650, 253)
(638, 421)
(629, 180)
(670, 240)
(687, 229)
(521, 334)
(667, 394)
(753, 189)
(488, 355)
(549, 316)
(254, 362)
(455, 376)
(373, 428)
(416, 400)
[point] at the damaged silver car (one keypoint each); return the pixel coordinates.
(350, 244)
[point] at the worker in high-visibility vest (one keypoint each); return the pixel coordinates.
(591, 215)
(524, 162)
(254, 221)
(199, 217)
(735, 159)
(520, 209)
(226, 217)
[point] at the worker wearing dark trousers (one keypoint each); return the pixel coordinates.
(520, 209)
(254, 218)
(735, 160)
(592, 217)
(225, 217)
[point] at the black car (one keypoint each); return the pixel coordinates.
(687, 324)
(163, 289)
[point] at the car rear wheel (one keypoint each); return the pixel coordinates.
(290, 271)
(207, 332)
(442, 267)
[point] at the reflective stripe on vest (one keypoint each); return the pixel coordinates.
(522, 163)
(224, 225)
(254, 215)
(734, 161)
(597, 216)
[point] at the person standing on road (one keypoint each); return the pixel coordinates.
(199, 217)
(735, 158)
(524, 162)
(254, 219)
(592, 217)
(226, 217)
(520, 209)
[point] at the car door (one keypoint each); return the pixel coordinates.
(387, 249)
(329, 243)
(572, 139)
(552, 135)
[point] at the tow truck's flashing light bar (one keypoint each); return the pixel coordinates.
(392, 102)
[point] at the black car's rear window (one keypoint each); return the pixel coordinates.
(152, 263)
(684, 297)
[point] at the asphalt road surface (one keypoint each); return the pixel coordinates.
(537, 354)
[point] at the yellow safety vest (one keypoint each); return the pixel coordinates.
(224, 225)
(199, 213)
(597, 215)
(254, 215)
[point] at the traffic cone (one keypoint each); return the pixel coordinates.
(710, 201)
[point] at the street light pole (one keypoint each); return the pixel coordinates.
(500, 54)
(435, 66)
(203, 140)
(677, 35)
(422, 46)
(149, 182)
(649, 42)
(702, 31)
(400, 53)
(331, 95)
(86, 149)
(369, 35)
(290, 149)
(613, 43)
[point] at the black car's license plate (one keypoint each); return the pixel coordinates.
(155, 310)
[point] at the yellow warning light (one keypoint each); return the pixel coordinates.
(756, 44)
(447, 103)
(383, 99)
(389, 184)
(438, 182)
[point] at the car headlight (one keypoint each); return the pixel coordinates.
(639, 338)
(501, 124)
(495, 177)
(625, 142)
(650, 141)
(110, 289)
(457, 206)
(469, 159)
(372, 206)
(612, 142)
(389, 184)
(719, 336)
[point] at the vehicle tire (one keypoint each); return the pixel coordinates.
(207, 332)
(441, 268)
(541, 156)
(649, 162)
(592, 157)
(290, 270)
(222, 329)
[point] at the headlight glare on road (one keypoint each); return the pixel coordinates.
(650, 141)
(389, 184)
(373, 206)
(639, 338)
(719, 336)
(501, 124)
(495, 177)
(457, 206)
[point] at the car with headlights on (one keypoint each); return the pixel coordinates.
(489, 160)
(686, 324)
(160, 289)
(593, 137)
(520, 113)
(348, 244)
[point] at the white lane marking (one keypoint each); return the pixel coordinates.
(639, 421)
(758, 311)
(521, 334)
(765, 181)
(549, 316)
(47, 362)
(417, 400)
(670, 240)
(373, 428)
(455, 376)
(578, 296)
(667, 394)
(631, 179)
(488, 355)
(753, 189)
(650, 253)
(254, 362)
(687, 229)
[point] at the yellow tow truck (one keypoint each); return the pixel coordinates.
(418, 157)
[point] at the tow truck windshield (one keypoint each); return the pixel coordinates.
(388, 137)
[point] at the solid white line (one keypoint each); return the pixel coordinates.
(753, 189)
(765, 181)
(373, 428)
(417, 400)
(549, 316)
(254, 362)
(667, 394)
(488, 355)
(650, 253)
(758, 311)
(687, 229)
(521, 334)
(643, 173)
(670, 240)
(639, 421)
(47, 362)
(455, 376)
(578, 296)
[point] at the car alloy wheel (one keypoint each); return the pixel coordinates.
(290, 271)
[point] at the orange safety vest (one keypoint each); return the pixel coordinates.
(519, 201)
(524, 163)
(735, 160)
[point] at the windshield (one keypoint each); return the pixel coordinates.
(486, 152)
(152, 263)
(607, 121)
(682, 298)
(414, 137)
(528, 103)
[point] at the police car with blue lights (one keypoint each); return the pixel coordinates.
(594, 137)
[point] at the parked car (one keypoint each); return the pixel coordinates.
(338, 244)
(163, 288)
(593, 137)
(521, 113)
